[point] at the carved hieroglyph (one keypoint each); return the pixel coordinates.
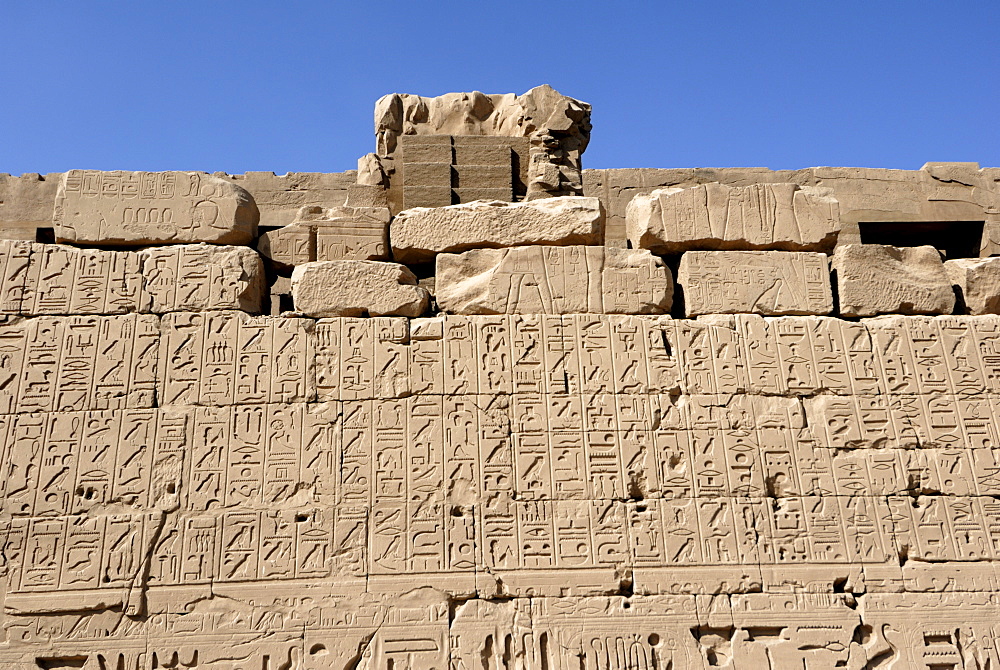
(134, 208)
(605, 487)
(760, 282)
(417, 235)
(553, 280)
(329, 234)
(38, 279)
(357, 288)
(878, 279)
(716, 216)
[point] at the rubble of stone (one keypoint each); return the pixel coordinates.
(435, 413)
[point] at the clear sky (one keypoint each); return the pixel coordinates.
(290, 86)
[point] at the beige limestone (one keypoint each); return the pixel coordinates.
(978, 282)
(133, 208)
(557, 127)
(716, 216)
(329, 234)
(553, 280)
(37, 279)
(761, 282)
(205, 488)
(357, 288)
(878, 279)
(417, 235)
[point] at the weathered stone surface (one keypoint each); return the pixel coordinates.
(133, 208)
(978, 280)
(877, 279)
(357, 288)
(760, 282)
(553, 280)
(199, 277)
(716, 216)
(37, 279)
(417, 235)
(557, 127)
(329, 234)
(26, 204)
(280, 197)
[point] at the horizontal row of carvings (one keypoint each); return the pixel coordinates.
(225, 358)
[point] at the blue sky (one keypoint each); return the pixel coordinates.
(290, 86)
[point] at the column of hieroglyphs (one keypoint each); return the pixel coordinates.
(434, 414)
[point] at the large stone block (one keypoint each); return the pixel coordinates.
(357, 288)
(878, 279)
(760, 282)
(553, 280)
(329, 234)
(978, 279)
(417, 235)
(136, 208)
(716, 216)
(52, 279)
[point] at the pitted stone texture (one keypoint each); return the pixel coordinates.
(553, 280)
(759, 282)
(978, 279)
(417, 235)
(134, 208)
(51, 279)
(879, 279)
(716, 216)
(357, 288)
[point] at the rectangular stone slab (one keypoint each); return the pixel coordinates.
(553, 280)
(417, 235)
(136, 208)
(717, 216)
(759, 282)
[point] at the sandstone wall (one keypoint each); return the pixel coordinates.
(740, 444)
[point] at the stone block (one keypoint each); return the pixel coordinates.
(427, 196)
(760, 282)
(878, 279)
(497, 154)
(197, 277)
(53, 279)
(417, 235)
(289, 245)
(357, 288)
(466, 195)
(553, 280)
(482, 176)
(414, 152)
(716, 216)
(978, 280)
(426, 174)
(136, 208)
(364, 195)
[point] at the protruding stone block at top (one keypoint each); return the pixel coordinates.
(418, 234)
(715, 216)
(138, 208)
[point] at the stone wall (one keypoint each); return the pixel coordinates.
(262, 422)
